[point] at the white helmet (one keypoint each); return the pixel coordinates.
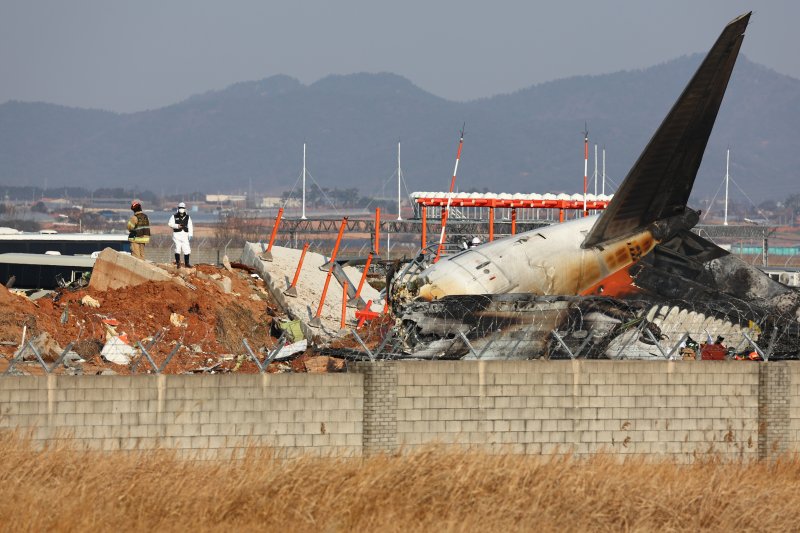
(476, 240)
(183, 205)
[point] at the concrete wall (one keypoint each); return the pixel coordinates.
(681, 409)
(628, 407)
(295, 413)
(792, 437)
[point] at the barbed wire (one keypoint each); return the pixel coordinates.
(516, 326)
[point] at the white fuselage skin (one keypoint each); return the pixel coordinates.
(544, 261)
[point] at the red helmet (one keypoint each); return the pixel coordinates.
(135, 204)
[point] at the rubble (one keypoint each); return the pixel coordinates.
(279, 272)
(115, 270)
(203, 314)
(130, 301)
(45, 345)
(117, 351)
(88, 301)
(291, 349)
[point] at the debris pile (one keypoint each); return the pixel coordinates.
(201, 313)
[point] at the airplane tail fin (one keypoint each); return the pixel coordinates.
(659, 183)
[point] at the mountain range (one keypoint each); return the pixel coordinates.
(249, 136)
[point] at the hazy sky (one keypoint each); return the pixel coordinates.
(144, 54)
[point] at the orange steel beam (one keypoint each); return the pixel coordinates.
(513, 221)
(491, 224)
(330, 273)
(322, 300)
(561, 215)
(275, 229)
(338, 241)
(424, 214)
(299, 265)
(363, 276)
(365, 313)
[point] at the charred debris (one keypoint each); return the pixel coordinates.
(631, 282)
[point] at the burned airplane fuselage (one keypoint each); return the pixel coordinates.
(546, 261)
(538, 273)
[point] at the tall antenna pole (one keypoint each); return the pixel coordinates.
(727, 177)
(303, 216)
(399, 178)
(604, 171)
(585, 166)
(449, 197)
(595, 169)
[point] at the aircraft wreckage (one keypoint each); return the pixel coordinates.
(617, 284)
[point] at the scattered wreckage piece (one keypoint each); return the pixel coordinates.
(522, 326)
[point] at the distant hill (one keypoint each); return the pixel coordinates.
(251, 134)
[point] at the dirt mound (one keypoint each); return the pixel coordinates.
(207, 321)
(18, 312)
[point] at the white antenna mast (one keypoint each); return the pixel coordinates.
(595, 170)
(399, 178)
(727, 177)
(604, 171)
(303, 216)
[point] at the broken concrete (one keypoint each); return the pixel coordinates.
(279, 272)
(115, 270)
(45, 345)
(225, 284)
(88, 301)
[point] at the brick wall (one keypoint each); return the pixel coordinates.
(774, 394)
(793, 427)
(380, 406)
(636, 407)
(294, 413)
(681, 409)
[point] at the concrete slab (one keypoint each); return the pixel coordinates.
(279, 272)
(115, 270)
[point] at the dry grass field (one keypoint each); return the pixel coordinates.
(429, 490)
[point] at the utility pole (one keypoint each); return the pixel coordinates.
(303, 215)
(604, 171)
(727, 178)
(399, 179)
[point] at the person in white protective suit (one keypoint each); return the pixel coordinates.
(182, 231)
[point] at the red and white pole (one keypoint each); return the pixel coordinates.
(449, 198)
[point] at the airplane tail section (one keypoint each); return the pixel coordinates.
(659, 184)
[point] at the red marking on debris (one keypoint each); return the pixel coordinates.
(366, 314)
